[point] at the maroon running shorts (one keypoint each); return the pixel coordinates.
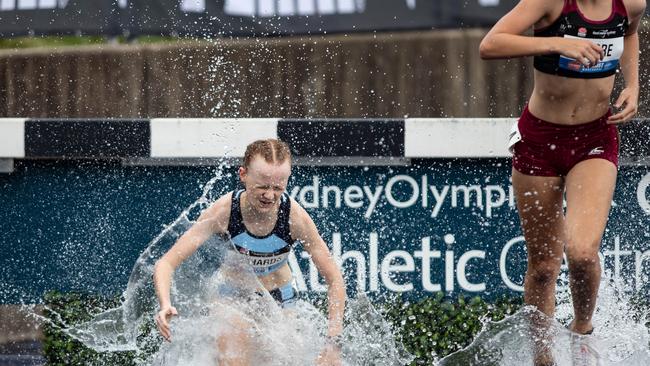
(549, 149)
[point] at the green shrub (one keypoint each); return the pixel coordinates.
(62, 41)
(435, 326)
(431, 327)
(72, 308)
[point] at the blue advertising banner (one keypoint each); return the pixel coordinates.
(450, 226)
(436, 225)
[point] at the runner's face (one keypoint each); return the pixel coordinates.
(265, 183)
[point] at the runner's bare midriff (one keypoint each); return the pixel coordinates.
(570, 101)
(276, 279)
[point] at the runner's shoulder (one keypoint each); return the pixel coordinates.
(298, 216)
(297, 211)
(529, 13)
(219, 212)
(635, 8)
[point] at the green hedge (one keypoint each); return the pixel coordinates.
(436, 326)
(72, 308)
(58, 41)
(431, 327)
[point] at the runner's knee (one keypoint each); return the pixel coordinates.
(545, 272)
(583, 262)
(234, 343)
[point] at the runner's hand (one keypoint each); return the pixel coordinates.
(628, 99)
(586, 52)
(162, 321)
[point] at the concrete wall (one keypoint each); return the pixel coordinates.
(415, 74)
(17, 326)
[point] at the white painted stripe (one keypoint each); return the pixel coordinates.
(456, 137)
(12, 137)
(171, 137)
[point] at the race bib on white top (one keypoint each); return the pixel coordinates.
(612, 48)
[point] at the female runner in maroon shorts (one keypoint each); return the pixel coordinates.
(567, 139)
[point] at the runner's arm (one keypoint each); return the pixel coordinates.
(506, 38)
(629, 98)
(304, 229)
(212, 220)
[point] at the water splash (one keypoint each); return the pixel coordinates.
(620, 337)
(217, 295)
(369, 338)
(118, 329)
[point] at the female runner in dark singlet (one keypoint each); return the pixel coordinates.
(263, 223)
(566, 141)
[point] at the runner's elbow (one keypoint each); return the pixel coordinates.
(486, 49)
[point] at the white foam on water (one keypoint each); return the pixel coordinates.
(219, 297)
(620, 337)
(275, 336)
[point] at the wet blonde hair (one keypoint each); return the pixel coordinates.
(271, 150)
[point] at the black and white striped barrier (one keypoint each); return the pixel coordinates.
(361, 141)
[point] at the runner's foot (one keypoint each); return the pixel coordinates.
(584, 349)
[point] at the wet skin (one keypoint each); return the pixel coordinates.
(549, 230)
(260, 203)
(265, 182)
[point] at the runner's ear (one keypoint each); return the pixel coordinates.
(242, 174)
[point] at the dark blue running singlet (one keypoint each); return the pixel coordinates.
(266, 253)
(572, 23)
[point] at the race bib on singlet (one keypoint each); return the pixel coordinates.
(265, 255)
(263, 264)
(612, 47)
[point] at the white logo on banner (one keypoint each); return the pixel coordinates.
(269, 8)
(489, 198)
(503, 264)
(372, 272)
(433, 266)
(9, 5)
(193, 6)
(488, 2)
(641, 193)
